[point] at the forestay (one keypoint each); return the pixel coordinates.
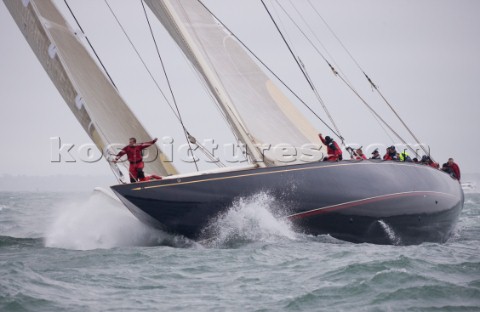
(258, 111)
(85, 88)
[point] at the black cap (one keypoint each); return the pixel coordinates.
(392, 147)
(328, 139)
(375, 151)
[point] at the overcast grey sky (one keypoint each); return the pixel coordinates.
(424, 55)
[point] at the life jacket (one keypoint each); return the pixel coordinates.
(404, 157)
(360, 157)
(456, 170)
(135, 152)
(333, 150)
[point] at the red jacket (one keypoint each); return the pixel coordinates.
(456, 170)
(134, 153)
(333, 153)
(358, 157)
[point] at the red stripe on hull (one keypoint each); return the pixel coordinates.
(364, 201)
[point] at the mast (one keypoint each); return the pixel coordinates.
(88, 92)
(257, 110)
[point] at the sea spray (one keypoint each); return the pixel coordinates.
(390, 232)
(101, 222)
(249, 219)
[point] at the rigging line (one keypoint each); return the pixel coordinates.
(304, 69)
(140, 57)
(343, 78)
(336, 37)
(314, 35)
(217, 106)
(286, 43)
(210, 155)
(282, 25)
(313, 45)
(377, 115)
(324, 58)
(320, 100)
(366, 76)
(187, 134)
(90, 44)
(203, 83)
(236, 126)
(107, 150)
(382, 126)
(148, 70)
(401, 120)
(205, 151)
(269, 69)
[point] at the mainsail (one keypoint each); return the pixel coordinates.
(85, 88)
(259, 112)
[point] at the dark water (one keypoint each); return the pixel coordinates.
(84, 252)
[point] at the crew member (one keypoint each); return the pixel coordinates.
(456, 170)
(391, 154)
(426, 160)
(375, 154)
(134, 154)
(359, 155)
(403, 156)
(333, 150)
(433, 164)
(447, 169)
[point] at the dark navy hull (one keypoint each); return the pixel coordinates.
(358, 201)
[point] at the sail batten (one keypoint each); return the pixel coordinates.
(84, 86)
(258, 111)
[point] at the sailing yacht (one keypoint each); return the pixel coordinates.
(416, 203)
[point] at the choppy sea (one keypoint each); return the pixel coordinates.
(86, 252)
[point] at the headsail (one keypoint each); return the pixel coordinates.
(85, 88)
(258, 111)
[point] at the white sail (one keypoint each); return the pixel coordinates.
(85, 88)
(258, 111)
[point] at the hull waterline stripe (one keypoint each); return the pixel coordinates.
(368, 200)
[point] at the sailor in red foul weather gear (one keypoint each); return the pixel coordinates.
(454, 167)
(387, 155)
(426, 160)
(359, 155)
(134, 154)
(334, 151)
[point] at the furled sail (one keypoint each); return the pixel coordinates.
(85, 88)
(258, 111)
